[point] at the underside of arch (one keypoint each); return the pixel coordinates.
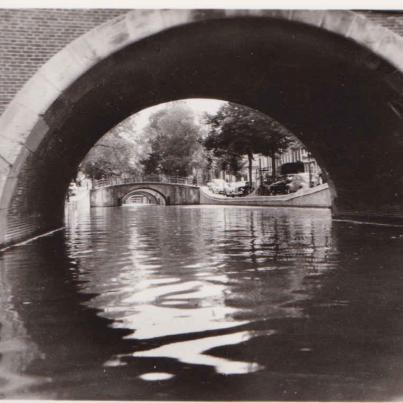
(332, 78)
(152, 194)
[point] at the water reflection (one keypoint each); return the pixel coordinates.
(187, 303)
(51, 331)
(192, 352)
(194, 271)
(16, 347)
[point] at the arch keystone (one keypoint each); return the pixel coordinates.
(338, 21)
(314, 17)
(109, 37)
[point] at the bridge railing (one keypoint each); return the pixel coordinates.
(179, 180)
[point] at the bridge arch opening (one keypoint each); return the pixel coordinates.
(160, 142)
(321, 74)
(152, 197)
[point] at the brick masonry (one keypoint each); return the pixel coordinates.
(30, 37)
(391, 20)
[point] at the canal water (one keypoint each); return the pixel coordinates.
(204, 303)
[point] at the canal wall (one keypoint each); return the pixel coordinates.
(173, 194)
(313, 197)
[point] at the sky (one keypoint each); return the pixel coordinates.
(137, 122)
(198, 105)
(132, 128)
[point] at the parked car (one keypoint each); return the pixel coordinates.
(217, 186)
(292, 183)
(239, 188)
(297, 182)
(279, 187)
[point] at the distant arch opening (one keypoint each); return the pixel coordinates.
(175, 142)
(145, 197)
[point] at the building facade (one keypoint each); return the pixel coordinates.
(262, 165)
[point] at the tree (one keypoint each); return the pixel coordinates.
(111, 156)
(277, 141)
(226, 161)
(117, 153)
(174, 139)
(239, 130)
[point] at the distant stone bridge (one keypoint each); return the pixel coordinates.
(162, 190)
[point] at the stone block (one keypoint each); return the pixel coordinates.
(3, 226)
(171, 18)
(15, 125)
(279, 14)
(4, 168)
(391, 48)
(141, 23)
(69, 64)
(10, 150)
(4, 172)
(108, 38)
(82, 53)
(309, 17)
(366, 33)
(20, 161)
(37, 134)
(37, 94)
(7, 192)
(338, 21)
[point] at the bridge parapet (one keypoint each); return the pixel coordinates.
(177, 180)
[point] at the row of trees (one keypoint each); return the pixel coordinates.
(235, 131)
(170, 143)
(175, 142)
(118, 153)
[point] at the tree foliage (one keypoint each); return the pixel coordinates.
(226, 161)
(117, 153)
(238, 130)
(175, 142)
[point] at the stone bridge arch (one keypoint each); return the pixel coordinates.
(158, 197)
(165, 193)
(331, 77)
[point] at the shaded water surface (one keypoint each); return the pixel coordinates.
(202, 303)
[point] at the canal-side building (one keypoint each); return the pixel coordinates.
(296, 152)
(262, 165)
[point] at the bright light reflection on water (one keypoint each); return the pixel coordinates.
(179, 285)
